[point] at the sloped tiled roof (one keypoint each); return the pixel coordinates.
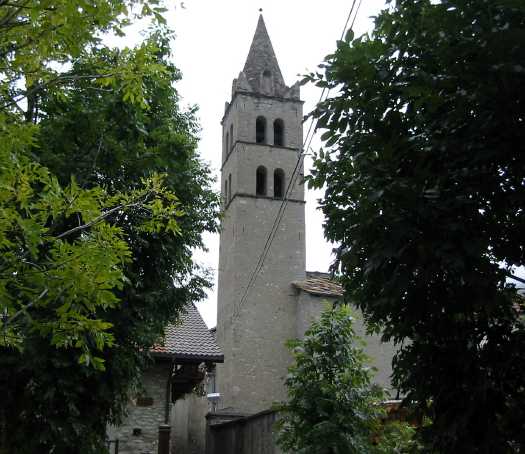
(319, 284)
(189, 339)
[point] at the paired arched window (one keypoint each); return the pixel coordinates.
(260, 181)
(278, 183)
(278, 132)
(260, 130)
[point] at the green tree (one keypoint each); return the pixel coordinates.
(102, 199)
(332, 406)
(425, 189)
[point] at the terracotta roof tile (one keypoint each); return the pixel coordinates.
(189, 339)
(319, 284)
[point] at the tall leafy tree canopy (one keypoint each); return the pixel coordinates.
(425, 192)
(103, 197)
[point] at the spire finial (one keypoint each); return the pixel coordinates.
(260, 10)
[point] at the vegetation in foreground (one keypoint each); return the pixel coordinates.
(102, 198)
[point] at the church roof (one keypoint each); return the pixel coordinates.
(319, 284)
(189, 339)
(262, 60)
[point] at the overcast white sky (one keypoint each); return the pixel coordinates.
(213, 39)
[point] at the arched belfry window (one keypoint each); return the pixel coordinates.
(260, 130)
(278, 133)
(278, 183)
(227, 143)
(231, 137)
(260, 181)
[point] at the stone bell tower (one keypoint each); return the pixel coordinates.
(262, 141)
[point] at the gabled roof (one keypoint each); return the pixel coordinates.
(319, 284)
(189, 339)
(261, 58)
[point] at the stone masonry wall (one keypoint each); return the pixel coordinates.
(188, 425)
(309, 308)
(145, 414)
(256, 359)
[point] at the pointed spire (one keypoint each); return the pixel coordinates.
(261, 67)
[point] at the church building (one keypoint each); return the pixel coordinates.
(262, 305)
(212, 391)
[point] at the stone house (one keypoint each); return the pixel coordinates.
(182, 361)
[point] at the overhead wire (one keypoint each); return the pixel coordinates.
(293, 178)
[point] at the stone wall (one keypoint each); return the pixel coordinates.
(309, 308)
(188, 425)
(253, 340)
(139, 432)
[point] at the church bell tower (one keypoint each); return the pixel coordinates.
(261, 146)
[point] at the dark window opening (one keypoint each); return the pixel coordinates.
(227, 143)
(231, 137)
(260, 181)
(278, 183)
(229, 187)
(260, 130)
(278, 132)
(266, 82)
(226, 192)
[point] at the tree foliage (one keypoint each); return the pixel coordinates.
(331, 405)
(103, 197)
(425, 189)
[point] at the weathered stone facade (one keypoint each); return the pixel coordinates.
(188, 425)
(252, 329)
(309, 308)
(253, 333)
(140, 431)
(183, 362)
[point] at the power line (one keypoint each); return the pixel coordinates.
(293, 178)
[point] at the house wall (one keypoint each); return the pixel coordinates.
(145, 414)
(188, 425)
(309, 308)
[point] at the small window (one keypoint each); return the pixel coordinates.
(278, 183)
(231, 137)
(260, 183)
(278, 133)
(266, 82)
(225, 192)
(229, 187)
(227, 143)
(260, 130)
